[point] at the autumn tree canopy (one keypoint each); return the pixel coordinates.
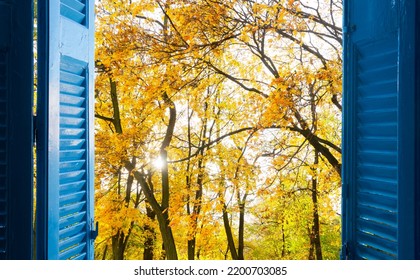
(218, 128)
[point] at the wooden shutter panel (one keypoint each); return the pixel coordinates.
(65, 129)
(378, 130)
(417, 127)
(16, 89)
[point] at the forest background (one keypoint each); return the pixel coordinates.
(218, 129)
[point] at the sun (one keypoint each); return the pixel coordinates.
(158, 163)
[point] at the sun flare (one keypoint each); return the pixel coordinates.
(158, 163)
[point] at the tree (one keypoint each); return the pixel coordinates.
(211, 107)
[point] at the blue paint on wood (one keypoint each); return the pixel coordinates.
(65, 166)
(16, 161)
(379, 127)
(417, 129)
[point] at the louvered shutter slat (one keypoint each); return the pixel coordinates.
(74, 252)
(72, 186)
(74, 133)
(377, 243)
(70, 155)
(68, 220)
(71, 165)
(73, 9)
(71, 111)
(72, 144)
(378, 157)
(71, 123)
(77, 5)
(71, 177)
(72, 241)
(71, 89)
(384, 188)
(380, 229)
(386, 115)
(79, 257)
(367, 253)
(378, 173)
(71, 209)
(73, 77)
(71, 100)
(71, 230)
(72, 198)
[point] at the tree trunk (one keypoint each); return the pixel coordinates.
(120, 240)
(163, 253)
(229, 235)
(311, 255)
(196, 208)
(149, 232)
(196, 211)
(161, 209)
(167, 236)
(105, 251)
(161, 213)
(199, 192)
(283, 238)
(115, 105)
(191, 248)
(241, 231)
(316, 226)
(163, 217)
(118, 245)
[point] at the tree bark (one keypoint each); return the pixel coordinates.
(316, 225)
(198, 194)
(119, 244)
(105, 251)
(116, 108)
(241, 231)
(149, 243)
(283, 239)
(167, 236)
(120, 240)
(163, 216)
(229, 235)
(311, 255)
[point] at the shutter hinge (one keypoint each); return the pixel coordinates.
(95, 231)
(35, 130)
(345, 252)
(349, 29)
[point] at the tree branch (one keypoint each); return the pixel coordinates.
(210, 143)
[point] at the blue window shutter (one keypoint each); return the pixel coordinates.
(417, 126)
(65, 130)
(16, 161)
(378, 130)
